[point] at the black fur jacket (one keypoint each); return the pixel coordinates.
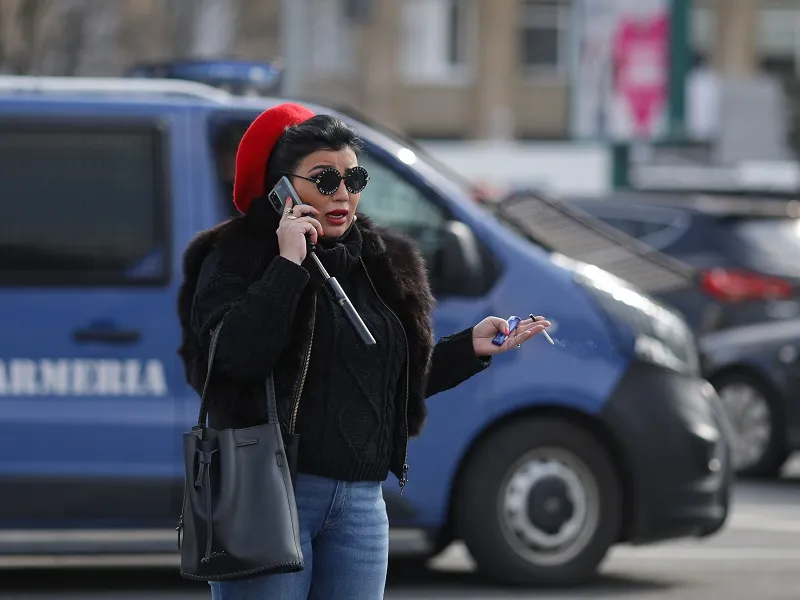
(246, 245)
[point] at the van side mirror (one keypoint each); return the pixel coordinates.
(460, 266)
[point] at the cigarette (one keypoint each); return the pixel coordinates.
(544, 331)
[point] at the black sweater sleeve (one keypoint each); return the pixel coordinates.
(259, 316)
(453, 362)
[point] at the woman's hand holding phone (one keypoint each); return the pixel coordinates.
(294, 226)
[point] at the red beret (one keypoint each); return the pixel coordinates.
(255, 147)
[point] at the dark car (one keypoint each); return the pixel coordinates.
(756, 373)
(746, 251)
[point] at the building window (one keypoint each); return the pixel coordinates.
(437, 40)
(777, 35)
(545, 35)
(702, 30)
(779, 39)
(331, 49)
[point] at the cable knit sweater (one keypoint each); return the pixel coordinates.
(347, 411)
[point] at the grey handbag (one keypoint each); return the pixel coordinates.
(239, 517)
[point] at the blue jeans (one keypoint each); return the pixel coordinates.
(344, 533)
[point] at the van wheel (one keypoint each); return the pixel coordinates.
(540, 502)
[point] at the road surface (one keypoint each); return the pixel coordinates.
(756, 557)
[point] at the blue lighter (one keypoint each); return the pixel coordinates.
(501, 337)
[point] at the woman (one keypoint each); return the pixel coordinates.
(353, 406)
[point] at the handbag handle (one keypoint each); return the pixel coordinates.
(272, 404)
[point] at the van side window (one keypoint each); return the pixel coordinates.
(82, 204)
(395, 203)
(225, 135)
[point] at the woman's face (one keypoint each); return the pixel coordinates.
(336, 211)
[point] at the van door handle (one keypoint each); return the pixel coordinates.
(107, 336)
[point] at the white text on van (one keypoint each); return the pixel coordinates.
(82, 377)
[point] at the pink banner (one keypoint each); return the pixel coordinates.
(641, 68)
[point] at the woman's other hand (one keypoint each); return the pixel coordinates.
(484, 332)
(295, 224)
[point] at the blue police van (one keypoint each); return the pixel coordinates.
(539, 465)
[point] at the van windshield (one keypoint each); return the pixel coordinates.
(453, 176)
(466, 188)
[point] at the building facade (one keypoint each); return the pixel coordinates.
(447, 69)
(463, 69)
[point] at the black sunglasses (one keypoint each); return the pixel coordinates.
(328, 180)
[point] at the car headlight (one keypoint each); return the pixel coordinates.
(661, 335)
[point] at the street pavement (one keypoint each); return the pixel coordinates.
(756, 557)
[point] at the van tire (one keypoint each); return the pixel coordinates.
(565, 458)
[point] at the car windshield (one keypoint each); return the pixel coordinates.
(767, 245)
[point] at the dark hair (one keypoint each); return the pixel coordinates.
(320, 132)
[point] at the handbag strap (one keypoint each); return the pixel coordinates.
(272, 404)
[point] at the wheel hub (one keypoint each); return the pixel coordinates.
(749, 414)
(550, 505)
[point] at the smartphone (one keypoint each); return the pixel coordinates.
(501, 338)
(283, 190)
